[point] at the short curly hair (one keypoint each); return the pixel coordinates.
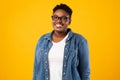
(64, 7)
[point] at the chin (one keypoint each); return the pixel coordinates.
(58, 30)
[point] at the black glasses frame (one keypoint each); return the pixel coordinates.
(62, 18)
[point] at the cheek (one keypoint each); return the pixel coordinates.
(67, 23)
(53, 22)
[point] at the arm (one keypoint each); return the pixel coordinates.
(84, 65)
(35, 64)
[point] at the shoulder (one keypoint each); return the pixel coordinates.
(81, 41)
(79, 37)
(43, 37)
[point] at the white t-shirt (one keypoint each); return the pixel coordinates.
(55, 58)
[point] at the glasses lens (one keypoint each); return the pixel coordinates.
(63, 18)
(54, 17)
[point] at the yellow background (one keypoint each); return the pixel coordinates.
(22, 22)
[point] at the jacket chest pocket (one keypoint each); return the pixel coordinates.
(40, 54)
(73, 58)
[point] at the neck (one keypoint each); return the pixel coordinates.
(60, 34)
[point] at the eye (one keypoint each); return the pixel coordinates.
(64, 18)
(54, 17)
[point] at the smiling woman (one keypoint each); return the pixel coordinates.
(61, 54)
(22, 22)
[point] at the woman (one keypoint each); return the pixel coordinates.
(61, 54)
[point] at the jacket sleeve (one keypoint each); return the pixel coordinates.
(35, 71)
(84, 65)
(35, 64)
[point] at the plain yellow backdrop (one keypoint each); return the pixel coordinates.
(22, 22)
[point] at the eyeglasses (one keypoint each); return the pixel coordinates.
(63, 18)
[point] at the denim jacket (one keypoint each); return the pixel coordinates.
(75, 61)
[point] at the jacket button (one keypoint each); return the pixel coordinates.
(46, 53)
(46, 78)
(66, 48)
(64, 73)
(65, 56)
(64, 65)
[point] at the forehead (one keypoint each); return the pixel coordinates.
(61, 12)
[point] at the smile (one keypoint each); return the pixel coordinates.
(58, 25)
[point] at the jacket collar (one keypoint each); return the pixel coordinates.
(49, 36)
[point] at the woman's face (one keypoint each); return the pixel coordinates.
(60, 20)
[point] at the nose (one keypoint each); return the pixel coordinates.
(59, 20)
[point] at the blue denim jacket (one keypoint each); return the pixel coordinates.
(75, 61)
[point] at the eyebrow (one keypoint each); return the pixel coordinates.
(61, 16)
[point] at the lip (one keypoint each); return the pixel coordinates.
(58, 25)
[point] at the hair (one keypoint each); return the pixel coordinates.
(63, 7)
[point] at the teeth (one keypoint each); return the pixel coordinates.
(58, 25)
